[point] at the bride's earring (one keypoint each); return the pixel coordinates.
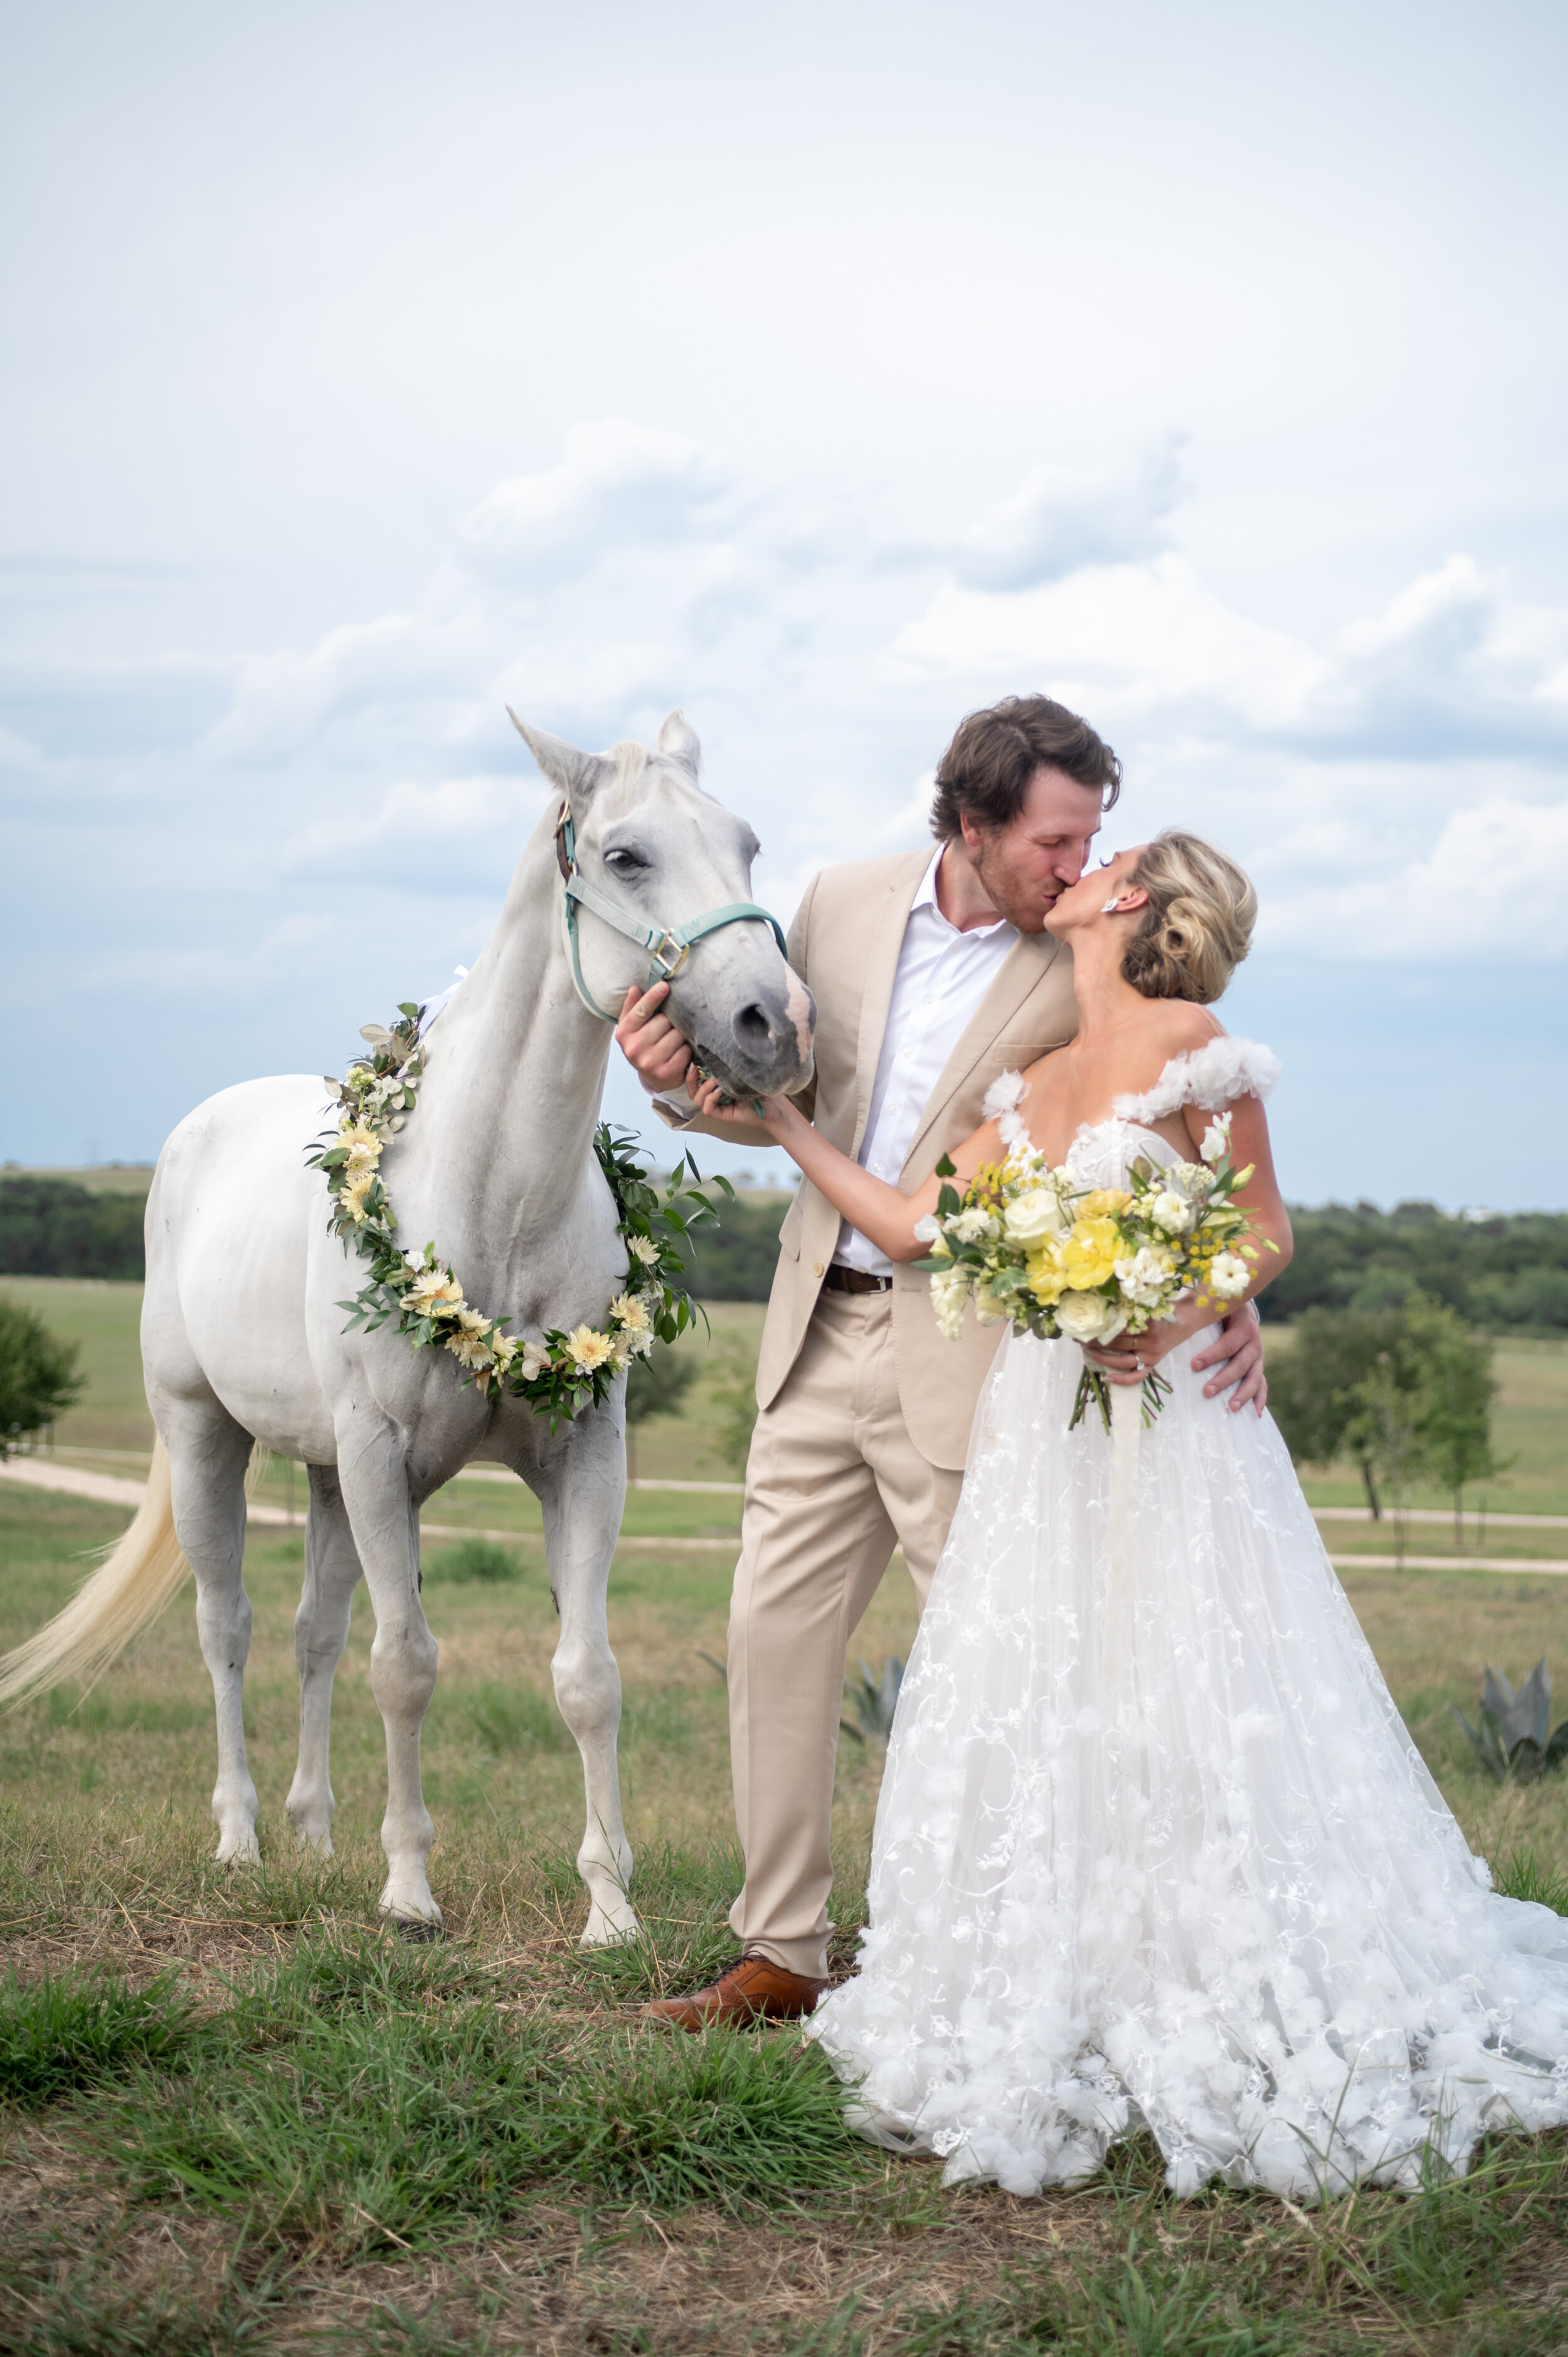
(1107, 907)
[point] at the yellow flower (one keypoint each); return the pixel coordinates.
(434, 1293)
(1102, 1201)
(470, 1342)
(1089, 1254)
(589, 1349)
(1047, 1275)
(644, 1249)
(630, 1310)
(351, 1194)
(364, 1146)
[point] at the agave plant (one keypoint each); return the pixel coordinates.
(1511, 1742)
(874, 1701)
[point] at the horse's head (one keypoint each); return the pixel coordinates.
(651, 848)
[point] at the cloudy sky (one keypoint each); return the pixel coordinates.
(827, 373)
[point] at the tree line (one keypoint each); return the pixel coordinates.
(1502, 1273)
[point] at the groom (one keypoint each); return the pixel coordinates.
(932, 974)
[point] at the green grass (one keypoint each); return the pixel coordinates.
(376, 2111)
(78, 2031)
(472, 1559)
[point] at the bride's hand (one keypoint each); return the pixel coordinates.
(775, 1114)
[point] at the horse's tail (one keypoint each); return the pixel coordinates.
(120, 1598)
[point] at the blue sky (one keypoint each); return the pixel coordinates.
(826, 373)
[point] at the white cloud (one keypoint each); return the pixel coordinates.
(1123, 638)
(1492, 885)
(1058, 521)
(618, 483)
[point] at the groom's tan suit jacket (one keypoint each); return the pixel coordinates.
(844, 945)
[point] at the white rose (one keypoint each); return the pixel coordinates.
(1169, 1211)
(1228, 1275)
(926, 1229)
(1090, 1316)
(950, 1291)
(1036, 1214)
(1216, 1140)
(1145, 1277)
(975, 1226)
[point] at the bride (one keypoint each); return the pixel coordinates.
(1194, 1877)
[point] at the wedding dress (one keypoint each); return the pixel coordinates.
(1170, 1860)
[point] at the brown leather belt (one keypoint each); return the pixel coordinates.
(855, 1280)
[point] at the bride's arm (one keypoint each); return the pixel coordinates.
(1267, 1218)
(878, 1211)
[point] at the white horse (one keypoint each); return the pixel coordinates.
(242, 1330)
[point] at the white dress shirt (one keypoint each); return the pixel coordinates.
(942, 976)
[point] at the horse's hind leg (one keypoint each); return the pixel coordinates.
(320, 1633)
(208, 1453)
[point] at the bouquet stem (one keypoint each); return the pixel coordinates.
(1092, 1385)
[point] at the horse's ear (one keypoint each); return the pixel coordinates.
(678, 742)
(578, 775)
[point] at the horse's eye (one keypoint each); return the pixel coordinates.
(624, 863)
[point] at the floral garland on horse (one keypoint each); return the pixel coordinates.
(564, 1372)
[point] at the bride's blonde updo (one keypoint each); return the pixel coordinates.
(1198, 924)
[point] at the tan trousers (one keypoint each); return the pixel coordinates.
(833, 1481)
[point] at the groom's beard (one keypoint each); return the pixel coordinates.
(1024, 905)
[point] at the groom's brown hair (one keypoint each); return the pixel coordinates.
(984, 774)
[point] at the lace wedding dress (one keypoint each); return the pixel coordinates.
(1193, 1876)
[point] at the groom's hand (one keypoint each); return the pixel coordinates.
(656, 1051)
(1236, 1358)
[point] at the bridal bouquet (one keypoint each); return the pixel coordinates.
(1031, 1246)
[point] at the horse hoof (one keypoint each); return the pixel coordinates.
(602, 1931)
(416, 1928)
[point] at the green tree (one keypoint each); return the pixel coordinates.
(37, 1374)
(655, 1385)
(731, 1389)
(1458, 1389)
(1313, 1387)
(1386, 1431)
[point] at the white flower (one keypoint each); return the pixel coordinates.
(434, 1293)
(1170, 1212)
(534, 1361)
(469, 1342)
(1188, 1179)
(950, 1291)
(1090, 1316)
(1228, 1275)
(1145, 1279)
(644, 1249)
(975, 1226)
(1217, 1139)
(1038, 1214)
(588, 1348)
(926, 1230)
(987, 1308)
(630, 1309)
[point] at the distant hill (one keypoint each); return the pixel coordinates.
(56, 1226)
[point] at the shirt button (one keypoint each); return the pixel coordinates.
(816, 1268)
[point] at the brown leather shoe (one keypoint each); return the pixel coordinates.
(753, 1989)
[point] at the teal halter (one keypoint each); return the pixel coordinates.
(668, 950)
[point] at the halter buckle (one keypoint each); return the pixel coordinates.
(669, 966)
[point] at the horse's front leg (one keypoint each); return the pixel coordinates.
(385, 1524)
(582, 1490)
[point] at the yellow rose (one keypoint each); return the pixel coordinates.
(1103, 1201)
(1047, 1275)
(1089, 1255)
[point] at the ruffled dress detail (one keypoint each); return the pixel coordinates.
(1202, 1881)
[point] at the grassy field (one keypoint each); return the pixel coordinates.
(236, 2117)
